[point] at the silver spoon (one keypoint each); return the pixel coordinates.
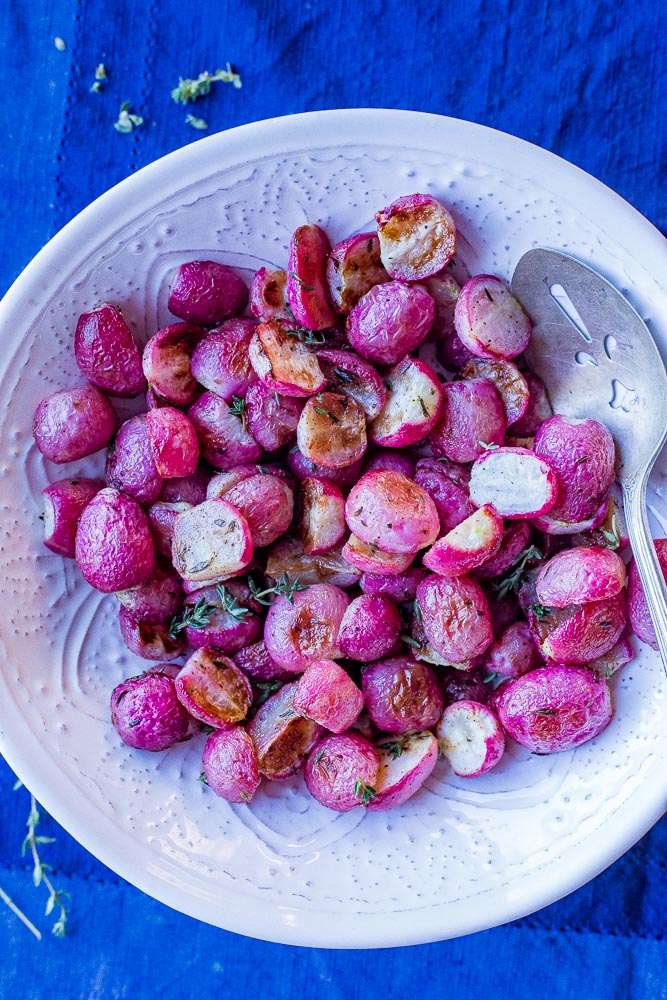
(598, 359)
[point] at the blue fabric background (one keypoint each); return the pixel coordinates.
(584, 79)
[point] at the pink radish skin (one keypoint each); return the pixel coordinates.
(207, 293)
(230, 765)
(287, 556)
(514, 482)
(332, 430)
(255, 661)
(185, 489)
(353, 268)
(106, 352)
(554, 709)
(538, 409)
(344, 478)
(341, 771)
(489, 320)
(167, 363)
(413, 405)
(638, 612)
(510, 384)
(73, 423)
(390, 321)
(156, 600)
(321, 515)
(173, 442)
(346, 372)
(327, 694)
(444, 290)
(553, 526)
(451, 499)
(582, 455)
(130, 464)
(114, 547)
(146, 713)
(452, 353)
(223, 440)
(220, 360)
(471, 738)
(210, 541)
(303, 630)
(222, 482)
(64, 503)
(306, 278)
(471, 417)
(417, 236)
(283, 362)
(369, 629)
(455, 617)
(401, 694)
(514, 652)
(459, 685)
(224, 631)
(369, 558)
(272, 419)
(390, 511)
(515, 541)
(389, 458)
(268, 295)
(580, 575)
(403, 773)
(162, 517)
(585, 632)
(467, 546)
(401, 588)
(281, 736)
(213, 689)
(266, 503)
(151, 642)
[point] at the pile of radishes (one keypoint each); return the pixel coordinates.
(354, 515)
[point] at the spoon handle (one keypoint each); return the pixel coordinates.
(634, 500)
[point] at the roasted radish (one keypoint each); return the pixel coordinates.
(321, 515)
(213, 689)
(332, 430)
(353, 267)
(230, 765)
(114, 547)
(73, 423)
(167, 363)
(514, 482)
(389, 510)
(490, 320)
(341, 771)
(64, 503)
(467, 546)
(210, 541)
(412, 407)
(283, 362)
(401, 694)
(471, 418)
(106, 352)
(417, 236)
(471, 738)
(390, 321)
(306, 278)
(207, 293)
(406, 761)
(326, 694)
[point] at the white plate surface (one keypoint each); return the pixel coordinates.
(461, 855)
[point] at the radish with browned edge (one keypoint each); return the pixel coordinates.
(455, 617)
(390, 321)
(287, 556)
(327, 694)
(370, 558)
(64, 503)
(283, 361)
(210, 541)
(167, 361)
(341, 771)
(321, 515)
(579, 633)
(213, 689)
(553, 709)
(229, 764)
(173, 442)
(471, 738)
(207, 293)
(412, 407)
(510, 384)
(107, 353)
(466, 546)
(489, 320)
(268, 295)
(114, 547)
(401, 694)
(417, 236)
(73, 423)
(149, 641)
(281, 736)
(579, 575)
(514, 652)
(146, 713)
(332, 430)
(514, 482)
(387, 509)
(304, 627)
(353, 267)
(306, 278)
(156, 600)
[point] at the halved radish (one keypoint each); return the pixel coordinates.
(321, 514)
(211, 540)
(268, 295)
(332, 430)
(515, 482)
(490, 320)
(281, 736)
(283, 361)
(64, 503)
(306, 278)
(508, 380)
(417, 236)
(471, 738)
(370, 558)
(412, 406)
(166, 362)
(287, 556)
(326, 694)
(468, 545)
(347, 372)
(213, 689)
(353, 267)
(405, 764)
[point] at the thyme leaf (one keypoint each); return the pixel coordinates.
(283, 586)
(191, 90)
(237, 408)
(365, 793)
(127, 122)
(513, 580)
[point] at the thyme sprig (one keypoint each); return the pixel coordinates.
(365, 793)
(199, 615)
(199, 123)
(231, 605)
(40, 868)
(283, 586)
(540, 610)
(127, 122)
(612, 536)
(237, 408)
(513, 580)
(191, 90)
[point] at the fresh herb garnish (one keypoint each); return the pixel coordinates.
(39, 873)
(237, 408)
(612, 536)
(540, 610)
(199, 123)
(364, 792)
(512, 581)
(488, 447)
(283, 586)
(395, 748)
(306, 288)
(198, 616)
(127, 122)
(100, 77)
(192, 90)
(408, 640)
(342, 375)
(230, 604)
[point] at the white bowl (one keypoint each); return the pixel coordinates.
(461, 855)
